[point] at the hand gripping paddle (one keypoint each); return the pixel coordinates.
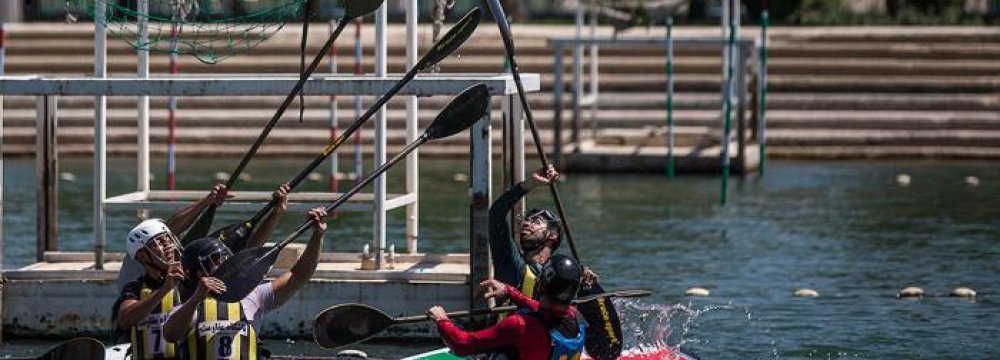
(235, 235)
(353, 9)
(346, 324)
(245, 270)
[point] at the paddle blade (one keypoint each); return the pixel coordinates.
(452, 39)
(234, 235)
(83, 348)
(346, 324)
(244, 271)
(464, 110)
(358, 8)
(501, 20)
(604, 332)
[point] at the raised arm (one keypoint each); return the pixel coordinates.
(507, 261)
(179, 321)
(132, 310)
(266, 229)
(184, 218)
(289, 282)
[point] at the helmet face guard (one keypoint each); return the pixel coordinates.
(552, 225)
(165, 249)
(209, 262)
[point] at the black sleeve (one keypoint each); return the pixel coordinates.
(129, 291)
(508, 263)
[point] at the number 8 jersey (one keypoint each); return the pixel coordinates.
(221, 332)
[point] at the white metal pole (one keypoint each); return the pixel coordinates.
(381, 18)
(100, 137)
(334, 161)
(577, 77)
(3, 59)
(593, 71)
(143, 101)
(412, 165)
(358, 161)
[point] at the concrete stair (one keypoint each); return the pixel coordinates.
(858, 92)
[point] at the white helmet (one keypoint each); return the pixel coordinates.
(144, 232)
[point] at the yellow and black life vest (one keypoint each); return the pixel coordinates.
(221, 332)
(526, 287)
(147, 335)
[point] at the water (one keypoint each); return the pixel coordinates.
(845, 229)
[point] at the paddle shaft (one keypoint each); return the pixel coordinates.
(354, 190)
(508, 44)
(207, 214)
(509, 308)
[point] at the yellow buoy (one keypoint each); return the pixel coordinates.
(221, 176)
(245, 177)
(696, 291)
(460, 177)
(314, 177)
(806, 293)
(903, 179)
(67, 176)
(971, 181)
(911, 292)
(963, 292)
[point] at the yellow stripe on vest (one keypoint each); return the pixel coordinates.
(234, 315)
(528, 282)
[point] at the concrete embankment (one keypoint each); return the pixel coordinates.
(864, 92)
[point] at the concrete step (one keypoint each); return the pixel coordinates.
(883, 120)
(883, 101)
(882, 152)
(849, 137)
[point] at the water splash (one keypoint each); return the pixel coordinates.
(653, 327)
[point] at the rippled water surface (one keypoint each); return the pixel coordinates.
(845, 229)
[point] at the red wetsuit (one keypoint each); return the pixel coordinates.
(525, 333)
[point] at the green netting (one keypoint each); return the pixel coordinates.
(201, 28)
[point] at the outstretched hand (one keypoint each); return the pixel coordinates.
(543, 176)
(208, 285)
(281, 196)
(437, 313)
(492, 289)
(316, 215)
(219, 194)
(589, 278)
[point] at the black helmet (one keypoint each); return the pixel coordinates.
(550, 219)
(560, 279)
(200, 255)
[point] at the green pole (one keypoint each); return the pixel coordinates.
(762, 92)
(670, 99)
(727, 94)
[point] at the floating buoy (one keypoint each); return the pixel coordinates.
(289, 341)
(152, 177)
(696, 291)
(963, 292)
(971, 181)
(221, 176)
(903, 180)
(245, 177)
(314, 177)
(353, 353)
(806, 293)
(67, 176)
(460, 177)
(911, 292)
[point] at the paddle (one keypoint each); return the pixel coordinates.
(352, 9)
(245, 270)
(235, 235)
(346, 324)
(82, 348)
(601, 343)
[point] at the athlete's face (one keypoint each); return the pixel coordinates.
(162, 251)
(534, 232)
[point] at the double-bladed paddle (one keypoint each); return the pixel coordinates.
(235, 235)
(346, 324)
(605, 333)
(82, 348)
(246, 269)
(352, 9)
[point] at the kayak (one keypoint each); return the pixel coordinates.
(664, 353)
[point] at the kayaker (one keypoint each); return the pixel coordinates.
(205, 328)
(519, 262)
(548, 329)
(148, 294)
(144, 303)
